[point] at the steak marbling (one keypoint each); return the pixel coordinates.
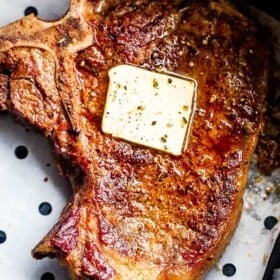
(137, 213)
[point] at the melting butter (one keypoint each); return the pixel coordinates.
(149, 108)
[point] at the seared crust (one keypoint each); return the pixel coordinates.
(137, 213)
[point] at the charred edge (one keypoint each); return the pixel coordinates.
(40, 255)
(71, 170)
(5, 71)
(74, 132)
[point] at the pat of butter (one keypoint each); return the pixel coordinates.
(148, 108)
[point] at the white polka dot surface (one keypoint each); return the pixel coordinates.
(32, 194)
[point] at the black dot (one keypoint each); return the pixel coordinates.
(270, 222)
(3, 237)
(229, 269)
(21, 152)
(47, 276)
(30, 10)
(45, 208)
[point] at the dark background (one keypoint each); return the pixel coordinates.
(268, 6)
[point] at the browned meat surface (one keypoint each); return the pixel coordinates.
(137, 213)
(268, 149)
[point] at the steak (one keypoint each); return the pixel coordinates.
(136, 212)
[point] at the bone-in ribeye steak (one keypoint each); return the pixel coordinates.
(138, 213)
